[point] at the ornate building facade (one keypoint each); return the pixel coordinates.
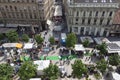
(25, 12)
(90, 17)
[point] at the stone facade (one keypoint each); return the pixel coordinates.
(90, 18)
(25, 12)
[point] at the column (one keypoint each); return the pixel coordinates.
(79, 29)
(73, 29)
(107, 34)
(95, 33)
(102, 31)
(84, 31)
(90, 30)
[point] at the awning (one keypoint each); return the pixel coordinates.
(24, 25)
(2, 25)
(11, 25)
(5, 30)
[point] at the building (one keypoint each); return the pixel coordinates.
(115, 30)
(25, 13)
(90, 17)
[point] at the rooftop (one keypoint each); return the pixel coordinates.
(116, 19)
(95, 1)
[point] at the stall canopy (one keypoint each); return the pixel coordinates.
(86, 38)
(12, 45)
(100, 40)
(58, 11)
(28, 46)
(41, 65)
(35, 79)
(115, 76)
(79, 47)
(113, 48)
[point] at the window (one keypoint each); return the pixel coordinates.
(84, 13)
(77, 13)
(15, 8)
(76, 23)
(89, 21)
(10, 7)
(83, 21)
(95, 20)
(32, 0)
(75, 29)
(101, 21)
(96, 13)
(110, 13)
(90, 14)
(108, 22)
(76, 19)
(8, 0)
(103, 13)
(21, 15)
(6, 7)
(30, 16)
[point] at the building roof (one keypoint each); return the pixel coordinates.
(95, 1)
(116, 19)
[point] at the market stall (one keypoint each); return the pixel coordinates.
(79, 47)
(28, 46)
(42, 64)
(12, 45)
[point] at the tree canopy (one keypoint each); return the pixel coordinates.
(78, 68)
(103, 48)
(6, 72)
(86, 43)
(27, 70)
(71, 40)
(114, 60)
(102, 65)
(25, 38)
(52, 72)
(39, 39)
(52, 40)
(12, 36)
(1, 36)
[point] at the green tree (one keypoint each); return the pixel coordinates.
(27, 70)
(12, 36)
(52, 72)
(114, 60)
(102, 65)
(78, 69)
(1, 36)
(25, 38)
(6, 72)
(103, 48)
(71, 40)
(52, 40)
(86, 43)
(39, 39)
